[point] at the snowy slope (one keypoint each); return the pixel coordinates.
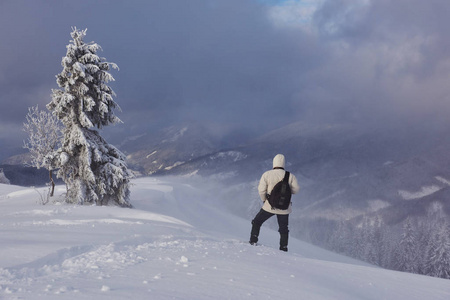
(177, 243)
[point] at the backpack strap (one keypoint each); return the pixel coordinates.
(286, 176)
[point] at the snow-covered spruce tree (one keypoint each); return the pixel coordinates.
(438, 258)
(44, 138)
(407, 258)
(93, 170)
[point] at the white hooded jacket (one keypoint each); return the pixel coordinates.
(270, 178)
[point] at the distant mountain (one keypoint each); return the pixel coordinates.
(150, 153)
(334, 164)
(26, 176)
(18, 159)
(313, 152)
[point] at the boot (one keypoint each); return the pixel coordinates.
(254, 233)
(284, 237)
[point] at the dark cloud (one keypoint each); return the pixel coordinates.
(388, 59)
(225, 62)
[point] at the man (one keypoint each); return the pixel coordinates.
(268, 180)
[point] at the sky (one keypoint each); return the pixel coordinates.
(236, 65)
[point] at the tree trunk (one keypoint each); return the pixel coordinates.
(53, 183)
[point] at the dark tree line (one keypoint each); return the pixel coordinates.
(418, 245)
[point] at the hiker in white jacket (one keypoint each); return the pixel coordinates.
(268, 180)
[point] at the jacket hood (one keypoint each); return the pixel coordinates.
(279, 161)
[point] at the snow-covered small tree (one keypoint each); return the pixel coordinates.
(438, 258)
(93, 170)
(407, 258)
(3, 178)
(44, 137)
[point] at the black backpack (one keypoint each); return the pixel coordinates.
(280, 197)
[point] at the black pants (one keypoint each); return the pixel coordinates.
(261, 217)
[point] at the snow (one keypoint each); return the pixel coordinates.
(424, 191)
(377, 204)
(177, 243)
(153, 153)
(3, 178)
(174, 165)
(235, 155)
(443, 180)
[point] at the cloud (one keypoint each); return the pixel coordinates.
(239, 65)
(294, 13)
(388, 58)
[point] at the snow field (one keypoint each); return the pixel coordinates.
(175, 244)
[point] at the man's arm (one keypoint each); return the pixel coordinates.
(293, 184)
(262, 188)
